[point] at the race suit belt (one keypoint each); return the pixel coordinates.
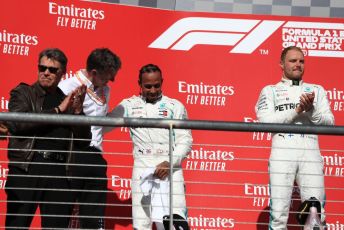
(293, 135)
(54, 156)
(152, 151)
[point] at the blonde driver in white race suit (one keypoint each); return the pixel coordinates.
(151, 150)
(294, 156)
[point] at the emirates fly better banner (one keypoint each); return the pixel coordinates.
(216, 65)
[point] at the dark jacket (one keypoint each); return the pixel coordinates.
(26, 98)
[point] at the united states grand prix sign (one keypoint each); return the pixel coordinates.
(246, 35)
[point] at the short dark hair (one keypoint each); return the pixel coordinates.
(286, 50)
(103, 60)
(149, 68)
(56, 55)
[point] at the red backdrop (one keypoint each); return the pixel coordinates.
(216, 64)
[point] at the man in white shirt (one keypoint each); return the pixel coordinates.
(101, 67)
(151, 153)
(294, 156)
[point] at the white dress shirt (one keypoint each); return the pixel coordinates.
(95, 104)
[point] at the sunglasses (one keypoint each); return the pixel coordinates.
(43, 68)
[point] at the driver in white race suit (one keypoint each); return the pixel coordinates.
(294, 156)
(150, 187)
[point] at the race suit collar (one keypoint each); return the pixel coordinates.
(291, 82)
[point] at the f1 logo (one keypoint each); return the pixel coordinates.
(246, 35)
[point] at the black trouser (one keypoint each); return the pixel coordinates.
(39, 192)
(93, 183)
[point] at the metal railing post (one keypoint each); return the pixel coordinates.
(171, 173)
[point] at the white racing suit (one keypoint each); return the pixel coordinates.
(151, 147)
(293, 156)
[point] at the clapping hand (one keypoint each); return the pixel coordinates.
(78, 97)
(73, 103)
(306, 102)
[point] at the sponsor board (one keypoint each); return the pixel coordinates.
(75, 17)
(336, 98)
(203, 222)
(337, 225)
(69, 74)
(209, 159)
(246, 35)
(258, 136)
(122, 186)
(259, 193)
(3, 176)
(4, 103)
(14, 43)
(333, 164)
(205, 94)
